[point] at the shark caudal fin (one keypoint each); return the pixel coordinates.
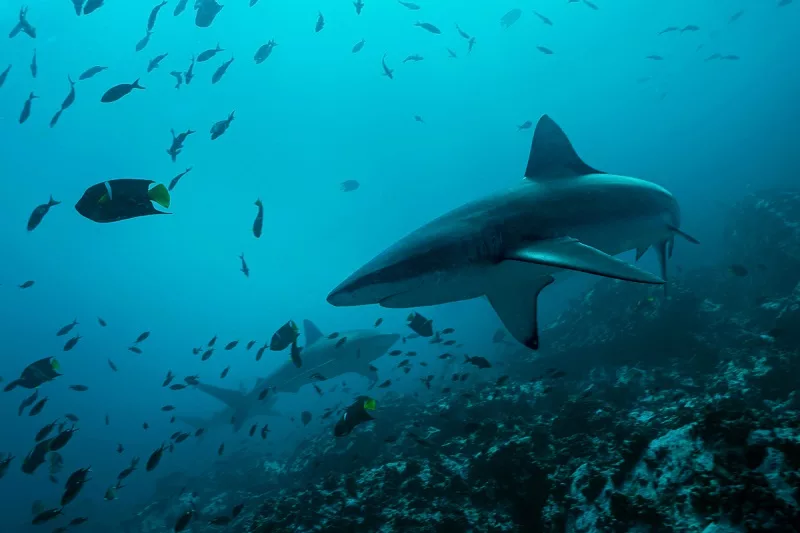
(552, 155)
(312, 332)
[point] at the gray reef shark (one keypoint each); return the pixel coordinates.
(564, 216)
(241, 406)
(331, 356)
(322, 358)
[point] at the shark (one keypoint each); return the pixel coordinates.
(328, 356)
(240, 406)
(323, 357)
(564, 216)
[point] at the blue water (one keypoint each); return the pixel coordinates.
(311, 116)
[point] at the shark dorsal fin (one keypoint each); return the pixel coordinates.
(313, 334)
(552, 155)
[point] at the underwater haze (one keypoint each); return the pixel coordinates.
(698, 97)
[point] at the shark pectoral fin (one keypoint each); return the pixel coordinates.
(571, 254)
(313, 333)
(683, 234)
(552, 155)
(516, 305)
(232, 398)
(641, 251)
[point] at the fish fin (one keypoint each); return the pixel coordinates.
(641, 251)
(661, 253)
(160, 195)
(312, 332)
(552, 155)
(683, 234)
(516, 305)
(229, 397)
(571, 254)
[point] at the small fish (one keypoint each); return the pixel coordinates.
(258, 223)
(112, 365)
(590, 5)
(730, 57)
(207, 354)
(231, 345)
(244, 269)
(70, 344)
(79, 388)
(413, 57)
(37, 408)
(220, 127)
(142, 337)
(225, 372)
(4, 75)
(340, 342)
(690, 28)
(26, 108)
(189, 74)
(156, 61)
(177, 178)
(34, 65)
(208, 54)
(135, 349)
(545, 50)
(349, 185)
(409, 5)
(510, 18)
(91, 72)
(180, 7)
(320, 23)
(389, 73)
(736, 16)
(358, 46)
(295, 354)
(220, 71)
(151, 20)
(143, 41)
(27, 285)
(101, 322)
(655, 57)
(378, 322)
(264, 51)
(480, 362)
(543, 18)
(451, 53)
(178, 75)
(33, 222)
(221, 449)
(428, 27)
(385, 384)
(168, 408)
(118, 91)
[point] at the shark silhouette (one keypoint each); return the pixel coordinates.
(564, 216)
(323, 357)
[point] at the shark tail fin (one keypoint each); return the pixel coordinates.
(552, 155)
(312, 332)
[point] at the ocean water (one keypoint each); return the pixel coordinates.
(310, 117)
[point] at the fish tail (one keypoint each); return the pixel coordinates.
(51, 203)
(258, 203)
(11, 385)
(160, 195)
(136, 85)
